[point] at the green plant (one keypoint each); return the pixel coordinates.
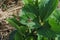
(35, 23)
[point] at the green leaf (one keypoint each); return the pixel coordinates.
(54, 21)
(27, 19)
(13, 23)
(21, 29)
(27, 16)
(46, 33)
(31, 7)
(43, 8)
(39, 37)
(15, 36)
(56, 14)
(18, 36)
(54, 26)
(31, 25)
(27, 1)
(47, 7)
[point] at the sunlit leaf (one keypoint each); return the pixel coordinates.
(54, 21)
(54, 26)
